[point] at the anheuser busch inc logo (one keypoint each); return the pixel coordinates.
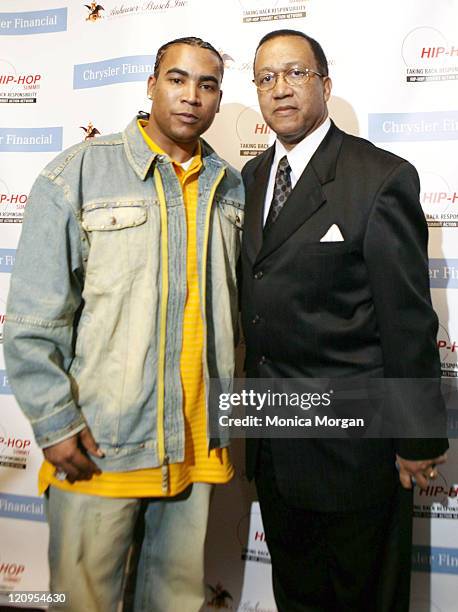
(12, 204)
(252, 131)
(125, 9)
(219, 598)
(255, 11)
(429, 56)
(439, 500)
(94, 11)
(448, 350)
(14, 450)
(18, 86)
(90, 131)
(439, 200)
(250, 606)
(233, 63)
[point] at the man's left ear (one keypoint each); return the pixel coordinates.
(327, 87)
(219, 101)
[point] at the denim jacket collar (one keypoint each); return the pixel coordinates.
(141, 157)
(137, 151)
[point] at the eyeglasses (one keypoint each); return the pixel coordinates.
(294, 76)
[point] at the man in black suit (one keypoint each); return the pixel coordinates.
(335, 285)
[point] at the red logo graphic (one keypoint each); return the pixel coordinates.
(13, 198)
(440, 499)
(11, 204)
(14, 450)
(18, 86)
(438, 197)
(439, 200)
(11, 572)
(429, 56)
(432, 52)
(19, 444)
(252, 131)
(444, 343)
(439, 488)
(22, 79)
(259, 536)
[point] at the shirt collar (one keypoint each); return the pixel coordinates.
(141, 156)
(193, 164)
(300, 155)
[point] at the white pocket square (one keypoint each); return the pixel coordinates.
(333, 235)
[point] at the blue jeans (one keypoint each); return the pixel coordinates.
(90, 541)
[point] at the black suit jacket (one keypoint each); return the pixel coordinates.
(357, 308)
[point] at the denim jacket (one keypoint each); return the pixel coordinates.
(94, 317)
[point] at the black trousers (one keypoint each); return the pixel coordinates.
(336, 562)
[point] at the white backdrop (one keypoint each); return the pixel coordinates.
(394, 67)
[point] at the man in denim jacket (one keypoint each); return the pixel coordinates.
(122, 307)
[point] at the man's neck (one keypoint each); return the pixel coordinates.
(178, 151)
(290, 145)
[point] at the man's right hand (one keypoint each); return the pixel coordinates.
(71, 456)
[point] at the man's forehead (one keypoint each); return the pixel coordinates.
(275, 65)
(289, 50)
(190, 59)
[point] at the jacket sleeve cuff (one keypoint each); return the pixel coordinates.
(418, 449)
(65, 423)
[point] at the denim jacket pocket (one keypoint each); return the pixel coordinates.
(231, 212)
(231, 223)
(118, 234)
(111, 217)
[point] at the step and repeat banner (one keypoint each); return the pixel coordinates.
(71, 70)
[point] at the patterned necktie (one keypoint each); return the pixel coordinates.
(282, 189)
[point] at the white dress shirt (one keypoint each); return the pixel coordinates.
(298, 158)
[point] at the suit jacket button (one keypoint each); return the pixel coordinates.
(263, 360)
(259, 275)
(255, 320)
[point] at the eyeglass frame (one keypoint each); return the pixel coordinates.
(284, 73)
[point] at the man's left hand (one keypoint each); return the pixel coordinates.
(420, 472)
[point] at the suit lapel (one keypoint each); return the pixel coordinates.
(305, 199)
(255, 195)
(307, 196)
